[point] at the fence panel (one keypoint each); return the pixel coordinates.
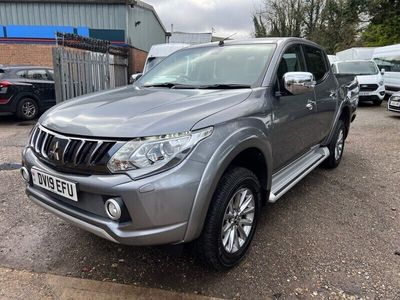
(80, 72)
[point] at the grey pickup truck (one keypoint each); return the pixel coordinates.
(194, 148)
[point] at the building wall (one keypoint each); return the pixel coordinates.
(92, 15)
(137, 59)
(27, 54)
(146, 34)
(97, 16)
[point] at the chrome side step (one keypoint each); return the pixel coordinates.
(285, 179)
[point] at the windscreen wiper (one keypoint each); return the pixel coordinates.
(225, 86)
(164, 84)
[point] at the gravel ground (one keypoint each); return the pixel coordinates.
(335, 235)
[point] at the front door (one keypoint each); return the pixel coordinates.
(326, 91)
(293, 120)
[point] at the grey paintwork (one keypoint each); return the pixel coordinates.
(171, 207)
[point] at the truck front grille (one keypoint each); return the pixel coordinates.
(368, 87)
(72, 154)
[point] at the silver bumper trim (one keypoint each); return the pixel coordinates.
(79, 223)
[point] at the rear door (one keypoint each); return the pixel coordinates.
(326, 91)
(293, 122)
(43, 85)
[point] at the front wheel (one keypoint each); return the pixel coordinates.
(336, 147)
(231, 220)
(377, 102)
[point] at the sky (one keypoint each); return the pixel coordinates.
(226, 17)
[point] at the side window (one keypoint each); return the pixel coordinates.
(37, 75)
(292, 61)
(316, 63)
(50, 74)
(21, 74)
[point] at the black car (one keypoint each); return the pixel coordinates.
(26, 90)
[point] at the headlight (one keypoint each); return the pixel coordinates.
(381, 82)
(156, 153)
(395, 98)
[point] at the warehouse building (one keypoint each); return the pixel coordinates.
(28, 27)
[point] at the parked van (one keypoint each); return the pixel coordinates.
(359, 53)
(159, 52)
(388, 58)
(156, 54)
(370, 79)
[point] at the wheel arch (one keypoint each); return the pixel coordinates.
(250, 144)
(345, 116)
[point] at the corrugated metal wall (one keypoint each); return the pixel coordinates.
(149, 32)
(95, 16)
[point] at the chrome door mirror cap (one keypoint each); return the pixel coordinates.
(298, 83)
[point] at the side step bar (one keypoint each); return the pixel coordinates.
(285, 179)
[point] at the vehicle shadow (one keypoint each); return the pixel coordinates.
(7, 119)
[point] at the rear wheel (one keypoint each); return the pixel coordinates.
(27, 109)
(231, 220)
(336, 147)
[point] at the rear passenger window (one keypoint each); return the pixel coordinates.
(38, 75)
(21, 74)
(316, 64)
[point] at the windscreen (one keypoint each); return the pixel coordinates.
(358, 68)
(152, 62)
(229, 65)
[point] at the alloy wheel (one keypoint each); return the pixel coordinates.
(238, 220)
(339, 145)
(28, 109)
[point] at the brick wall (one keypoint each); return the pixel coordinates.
(29, 54)
(137, 60)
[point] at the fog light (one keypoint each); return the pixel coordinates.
(25, 174)
(113, 209)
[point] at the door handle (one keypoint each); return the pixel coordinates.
(310, 104)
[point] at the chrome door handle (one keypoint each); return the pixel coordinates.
(310, 104)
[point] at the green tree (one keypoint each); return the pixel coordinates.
(384, 23)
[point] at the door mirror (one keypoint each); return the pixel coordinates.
(383, 71)
(135, 77)
(298, 83)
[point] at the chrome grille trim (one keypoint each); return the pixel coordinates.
(73, 153)
(42, 151)
(94, 152)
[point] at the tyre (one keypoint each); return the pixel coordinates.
(336, 147)
(231, 220)
(377, 102)
(27, 109)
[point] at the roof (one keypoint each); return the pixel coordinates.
(190, 37)
(8, 67)
(75, 1)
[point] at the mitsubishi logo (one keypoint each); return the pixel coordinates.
(53, 152)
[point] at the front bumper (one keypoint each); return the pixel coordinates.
(376, 95)
(158, 207)
(392, 107)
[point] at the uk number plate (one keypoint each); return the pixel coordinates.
(365, 94)
(54, 184)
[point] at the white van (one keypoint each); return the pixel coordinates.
(388, 58)
(370, 79)
(158, 52)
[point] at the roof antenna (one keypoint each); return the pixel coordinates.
(222, 42)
